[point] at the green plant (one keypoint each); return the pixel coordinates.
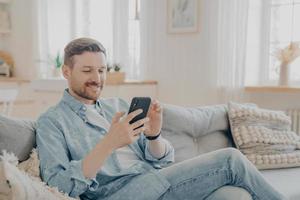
(58, 60)
(117, 67)
(109, 67)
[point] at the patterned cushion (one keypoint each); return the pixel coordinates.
(264, 136)
(24, 185)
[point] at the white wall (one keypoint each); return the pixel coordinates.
(21, 41)
(183, 64)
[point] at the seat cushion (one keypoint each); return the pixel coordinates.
(285, 181)
(17, 136)
(229, 193)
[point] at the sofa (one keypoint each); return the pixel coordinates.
(192, 131)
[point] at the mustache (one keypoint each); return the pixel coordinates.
(94, 83)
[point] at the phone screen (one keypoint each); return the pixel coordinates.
(139, 103)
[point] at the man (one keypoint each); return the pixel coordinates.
(87, 147)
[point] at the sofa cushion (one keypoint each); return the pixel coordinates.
(17, 136)
(18, 184)
(184, 145)
(195, 121)
(213, 141)
(286, 181)
(195, 130)
(264, 136)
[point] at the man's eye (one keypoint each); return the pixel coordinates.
(86, 71)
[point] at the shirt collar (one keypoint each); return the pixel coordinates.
(76, 105)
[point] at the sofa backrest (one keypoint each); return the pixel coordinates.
(196, 130)
(17, 136)
(191, 130)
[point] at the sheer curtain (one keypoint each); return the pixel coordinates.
(108, 21)
(231, 48)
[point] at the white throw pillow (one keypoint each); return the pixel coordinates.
(16, 184)
(264, 136)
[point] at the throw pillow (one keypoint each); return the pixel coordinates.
(17, 136)
(32, 165)
(264, 136)
(17, 184)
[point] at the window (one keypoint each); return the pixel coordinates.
(284, 28)
(134, 38)
(107, 21)
(272, 25)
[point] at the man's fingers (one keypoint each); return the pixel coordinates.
(155, 105)
(131, 115)
(136, 137)
(139, 122)
(159, 108)
(138, 131)
(117, 117)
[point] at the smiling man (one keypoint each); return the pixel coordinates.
(88, 148)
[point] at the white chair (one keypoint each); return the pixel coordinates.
(7, 98)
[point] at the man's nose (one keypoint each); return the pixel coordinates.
(96, 77)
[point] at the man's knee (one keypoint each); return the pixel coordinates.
(236, 160)
(234, 155)
(233, 152)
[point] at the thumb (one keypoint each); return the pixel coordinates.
(117, 117)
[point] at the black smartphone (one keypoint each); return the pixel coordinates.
(139, 103)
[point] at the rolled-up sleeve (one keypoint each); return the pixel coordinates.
(158, 162)
(57, 168)
(143, 143)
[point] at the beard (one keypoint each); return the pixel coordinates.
(90, 90)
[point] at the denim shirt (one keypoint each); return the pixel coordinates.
(65, 136)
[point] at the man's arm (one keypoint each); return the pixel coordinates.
(57, 169)
(74, 177)
(120, 134)
(157, 147)
(96, 158)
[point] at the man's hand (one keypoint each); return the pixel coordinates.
(122, 133)
(154, 125)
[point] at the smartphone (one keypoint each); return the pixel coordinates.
(139, 103)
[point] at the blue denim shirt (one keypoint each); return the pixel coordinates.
(65, 137)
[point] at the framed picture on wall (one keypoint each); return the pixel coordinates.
(182, 16)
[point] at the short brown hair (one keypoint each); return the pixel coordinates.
(80, 45)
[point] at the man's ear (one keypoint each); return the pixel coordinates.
(66, 70)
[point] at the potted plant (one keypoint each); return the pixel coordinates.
(286, 56)
(57, 61)
(114, 74)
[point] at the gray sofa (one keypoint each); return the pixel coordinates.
(192, 131)
(197, 130)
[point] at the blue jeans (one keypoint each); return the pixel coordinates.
(199, 177)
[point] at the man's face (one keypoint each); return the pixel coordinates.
(87, 76)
